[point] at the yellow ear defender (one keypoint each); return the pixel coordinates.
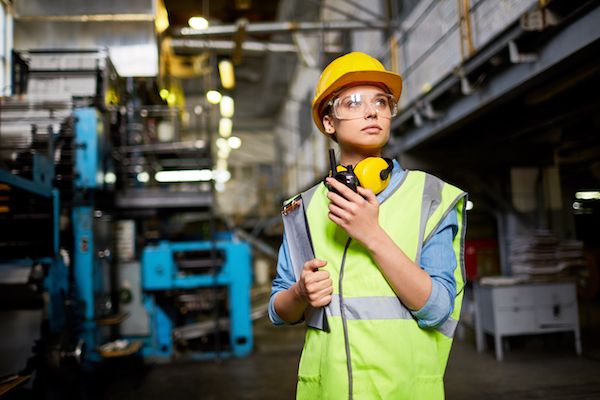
(374, 173)
(370, 173)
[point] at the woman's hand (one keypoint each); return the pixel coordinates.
(314, 286)
(356, 213)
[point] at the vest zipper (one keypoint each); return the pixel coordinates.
(344, 322)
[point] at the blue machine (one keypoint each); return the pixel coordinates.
(70, 307)
(90, 270)
(188, 266)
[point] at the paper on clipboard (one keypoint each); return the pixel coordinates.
(300, 248)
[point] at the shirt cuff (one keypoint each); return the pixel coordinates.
(275, 318)
(437, 309)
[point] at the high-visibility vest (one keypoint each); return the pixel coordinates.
(371, 346)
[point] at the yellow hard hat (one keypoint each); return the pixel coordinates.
(350, 69)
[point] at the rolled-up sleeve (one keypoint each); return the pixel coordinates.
(284, 279)
(439, 261)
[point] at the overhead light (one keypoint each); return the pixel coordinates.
(161, 21)
(219, 187)
(213, 96)
(227, 74)
(164, 93)
(221, 176)
(143, 177)
(110, 178)
(469, 205)
(198, 110)
(225, 127)
(171, 99)
(191, 175)
(222, 164)
(165, 131)
(198, 22)
(234, 142)
(224, 152)
(222, 143)
(576, 205)
(227, 107)
(588, 195)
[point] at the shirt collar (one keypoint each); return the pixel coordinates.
(395, 180)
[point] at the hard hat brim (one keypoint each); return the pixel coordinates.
(391, 80)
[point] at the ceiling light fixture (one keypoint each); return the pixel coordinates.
(143, 177)
(213, 96)
(234, 142)
(198, 23)
(191, 175)
(588, 195)
(227, 108)
(225, 127)
(227, 74)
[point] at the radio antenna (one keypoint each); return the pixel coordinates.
(332, 163)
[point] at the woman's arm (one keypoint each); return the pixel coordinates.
(314, 288)
(289, 299)
(357, 214)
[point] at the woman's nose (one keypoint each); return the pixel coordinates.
(371, 111)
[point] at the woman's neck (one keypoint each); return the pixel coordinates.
(350, 158)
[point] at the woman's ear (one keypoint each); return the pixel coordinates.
(328, 124)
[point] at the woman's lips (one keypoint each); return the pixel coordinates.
(372, 128)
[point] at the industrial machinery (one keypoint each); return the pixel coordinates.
(55, 231)
(89, 253)
(197, 296)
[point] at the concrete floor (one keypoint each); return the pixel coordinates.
(543, 367)
(537, 367)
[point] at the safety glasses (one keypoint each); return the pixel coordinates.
(357, 105)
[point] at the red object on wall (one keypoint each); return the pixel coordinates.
(481, 258)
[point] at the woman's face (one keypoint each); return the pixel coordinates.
(360, 121)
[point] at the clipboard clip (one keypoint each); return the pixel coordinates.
(291, 206)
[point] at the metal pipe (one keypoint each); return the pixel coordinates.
(247, 46)
(281, 27)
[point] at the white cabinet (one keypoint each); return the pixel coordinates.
(523, 309)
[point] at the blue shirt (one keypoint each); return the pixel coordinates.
(437, 259)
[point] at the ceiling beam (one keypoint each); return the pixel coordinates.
(577, 36)
(280, 27)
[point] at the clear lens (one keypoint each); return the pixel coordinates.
(357, 105)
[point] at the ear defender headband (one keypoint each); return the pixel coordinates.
(371, 173)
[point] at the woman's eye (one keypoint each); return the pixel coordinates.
(352, 103)
(381, 102)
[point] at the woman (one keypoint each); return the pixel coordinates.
(387, 259)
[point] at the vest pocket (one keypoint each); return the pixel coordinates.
(309, 369)
(430, 387)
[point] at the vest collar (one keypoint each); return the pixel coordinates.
(397, 178)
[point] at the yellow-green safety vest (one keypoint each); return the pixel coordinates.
(369, 345)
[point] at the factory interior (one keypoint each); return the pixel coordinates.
(147, 148)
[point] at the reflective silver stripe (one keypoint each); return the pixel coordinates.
(395, 188)
(432, 197)
(373, 307)
(379, 308)
(448, 328)
(463, 233)
(452, 206)
(308, 195)
(463, 270)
